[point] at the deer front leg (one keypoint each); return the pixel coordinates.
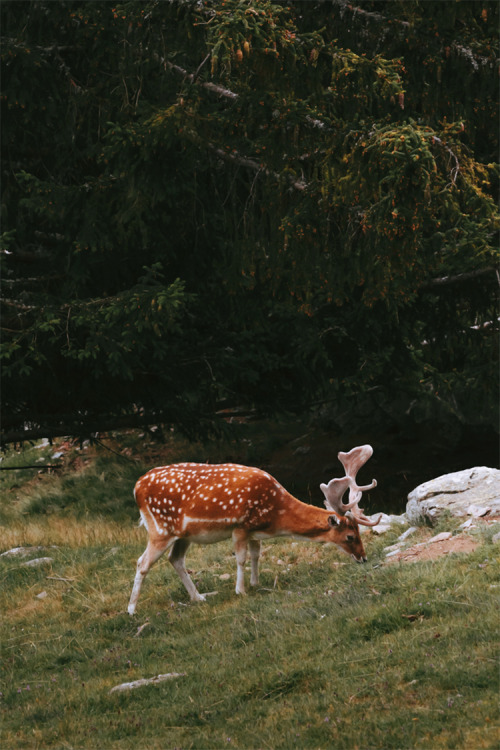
(176, 557)
(240, 550)
(152, 553)
(254, 545)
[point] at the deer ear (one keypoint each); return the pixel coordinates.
(333, 521)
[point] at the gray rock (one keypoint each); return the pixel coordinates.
(386, 522)
(478, 511)
(473, 491)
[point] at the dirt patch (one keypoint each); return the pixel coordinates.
(432, 550)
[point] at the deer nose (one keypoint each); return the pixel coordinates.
(361, 559)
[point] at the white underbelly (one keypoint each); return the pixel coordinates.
(210, 536)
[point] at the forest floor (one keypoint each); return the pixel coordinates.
(426, 550)
(413, 649)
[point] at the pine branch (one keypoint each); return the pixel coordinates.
(17, 428)
(234, 156)
(221, 90)
(465, 52)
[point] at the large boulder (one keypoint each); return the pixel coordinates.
(474, 492)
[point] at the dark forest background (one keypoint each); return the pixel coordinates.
(226, 207)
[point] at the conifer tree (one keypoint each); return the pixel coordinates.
(230, 203)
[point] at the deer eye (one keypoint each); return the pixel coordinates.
(350, 538)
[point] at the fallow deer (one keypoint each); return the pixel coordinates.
(204, 503)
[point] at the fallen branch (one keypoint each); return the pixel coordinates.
(141, 628)
(150, 681)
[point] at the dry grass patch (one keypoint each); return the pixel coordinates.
(69, 532)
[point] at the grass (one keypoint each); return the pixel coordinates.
(324, 654)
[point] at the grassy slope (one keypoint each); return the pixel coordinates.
(322, 655)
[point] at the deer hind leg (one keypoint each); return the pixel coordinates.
(240, 539)
(176, 557)
(254, 546)
(152, 553)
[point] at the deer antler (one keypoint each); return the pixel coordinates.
(333, 492)
(352, 463)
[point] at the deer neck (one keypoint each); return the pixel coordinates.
(296, 518)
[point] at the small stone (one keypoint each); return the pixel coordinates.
(442, 537)
(381, 529)
(42, 595)
(392, 547)
(407, 533)
(37, 561)
(469, 524)
(20, 551)
(225, 576)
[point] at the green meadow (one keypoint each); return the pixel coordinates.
(325, 653)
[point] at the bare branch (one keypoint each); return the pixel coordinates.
(10, 41)
(369, 15)
(17, 305)
(466, 53)
(471, 57)
(200, 66)
(216, 89)
(449, 280)
(455, 170)
(245, 161)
